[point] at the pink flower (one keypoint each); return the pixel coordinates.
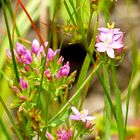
(26, 57)
(64, 135)
(23, 83)
(63, 71)
(22, 54)
(41, 50)
(47, 73)
(20, 49)
(51, 54)
(81, 116)
(109, 40)
(35, 46)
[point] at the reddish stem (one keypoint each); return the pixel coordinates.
(33, 24)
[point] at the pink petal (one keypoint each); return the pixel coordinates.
(75, 111)
(102, 29)
(110, 53)
(101, 47)
(116, 30)
(116, 45)
(90, 118)
(74, 117)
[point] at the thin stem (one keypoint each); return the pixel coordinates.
(10, 41)
(33, 24)
(8, 4)
(11, 119)
(128, 96)
(4, 130)
(107, 105)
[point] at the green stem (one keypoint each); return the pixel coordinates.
(107, 105)
(10, 41)
(128, 95)
(4, 130)
(69, 12)
(8, 4)
(77, 92)
(11, 119)
(46, 115)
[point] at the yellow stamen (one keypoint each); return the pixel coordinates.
(111, 26)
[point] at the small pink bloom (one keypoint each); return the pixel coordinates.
(20, 49)
(52, 54)
(63, 71)
(23, 83)
(81, 116)
(47, 73)
(109, 40)
(26, 57)
(64, 135)
(41, 50)
(35, 46)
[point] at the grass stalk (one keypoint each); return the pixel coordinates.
(107, 105)
(128, 96)
(10, 41)
(119, 114)
(5, 130)
(11, 119)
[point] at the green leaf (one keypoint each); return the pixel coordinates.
(59, 120)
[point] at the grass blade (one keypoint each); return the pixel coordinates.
(10, 41)
(107, 105)
(119, 114)
(11, 119)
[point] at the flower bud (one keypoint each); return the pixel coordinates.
(60, 60)
(36, 70)
(88, 124)
(63, 71)
(51, 54)
(23, 97)
(15, 89)
(35, 46)
(48, 74)
(23, 83)
(27, 68)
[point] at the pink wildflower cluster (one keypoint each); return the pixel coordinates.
(31, 60)
(109, 40)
